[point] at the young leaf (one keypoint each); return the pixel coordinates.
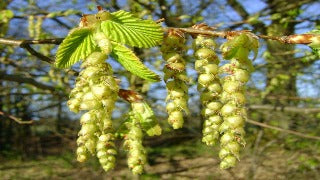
(146, 118)
(77, 45)
(132, 63)
(127, 29)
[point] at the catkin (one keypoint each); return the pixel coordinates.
(207, 66)
(175, 77)
(96, 91)
(233, 97)
(137, 157)
(31, 26)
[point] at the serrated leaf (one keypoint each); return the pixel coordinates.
(146, 119)
(132, 63)
(127, 29)
(76, 46)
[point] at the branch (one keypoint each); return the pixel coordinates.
(26, 45)
(282, 130)
(22, 79)
(287, 109)
(291, 39)
(18, 120)
(22, 42)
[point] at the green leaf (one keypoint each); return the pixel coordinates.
(315, 42)
(127, 29)
(132, 63)
(78, 45)
(6, 15)
(147, 119)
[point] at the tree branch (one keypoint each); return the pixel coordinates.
(291, 39)
(22, 79)
(18, 120)
(287, 109)
(282, 130)
(26, 45)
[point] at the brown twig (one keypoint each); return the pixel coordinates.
(26, 45)
(291, 39)
(18, 120)
(305, 110)
(283, 130)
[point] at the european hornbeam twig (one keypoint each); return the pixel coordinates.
(16, 119)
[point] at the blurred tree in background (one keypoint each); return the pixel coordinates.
(37, 127)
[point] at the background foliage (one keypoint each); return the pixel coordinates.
(283, 92)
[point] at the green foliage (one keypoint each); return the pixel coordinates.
(145, 116)
(315, 44)
(5, 15)
(240, 45)
(78, 45)
(127, 29)
(132, 63)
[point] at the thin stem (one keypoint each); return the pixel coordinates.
(283, 130)
(18, 120)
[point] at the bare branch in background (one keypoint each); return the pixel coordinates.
(23, 79)
(16, 119)
(283, 130)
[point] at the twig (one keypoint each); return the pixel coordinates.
(26, 45)
(18, 120)
(287, 109)
(283, 130)
(291, 39)
(13, 42)
(37, 54)
(22, 79)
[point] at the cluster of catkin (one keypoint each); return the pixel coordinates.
(175, 77)
(222, 89)
(95, 91)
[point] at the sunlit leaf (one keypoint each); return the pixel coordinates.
(132, 63)
(76, 46)
(127, 29)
